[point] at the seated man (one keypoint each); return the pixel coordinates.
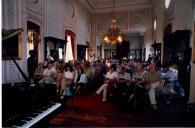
(153, 80)
(38, 75)
(110, 79)
(48, 75)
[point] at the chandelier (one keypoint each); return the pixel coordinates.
(113, 34)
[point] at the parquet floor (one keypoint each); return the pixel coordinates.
(79, 116)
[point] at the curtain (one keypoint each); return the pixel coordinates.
(72, 34)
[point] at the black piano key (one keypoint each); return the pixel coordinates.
(49, 105)
(39, 111)
(32, 115)
(14, 126)
(27, 119)
(43, 108)
(19, 123)
(26, 102)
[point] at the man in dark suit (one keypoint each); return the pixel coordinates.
(32, 65)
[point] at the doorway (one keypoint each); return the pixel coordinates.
(33, 39)
(69, 47)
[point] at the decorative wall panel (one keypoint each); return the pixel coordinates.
(37, 6)
(126, 21)
(137, 20)
(10, 13)
(122, 20)
(103, 22)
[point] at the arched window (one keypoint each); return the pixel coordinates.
(69, 47)
(69, 51)
(167, 3)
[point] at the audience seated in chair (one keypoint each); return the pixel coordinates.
(79, 81)
(48, 75)
(122, 86)
(110, 79)
(124, 79)
(38, 75)
(153, 80)
(67, 80)
(138, 86)
(59, 74)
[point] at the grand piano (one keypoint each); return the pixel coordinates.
(26, 104)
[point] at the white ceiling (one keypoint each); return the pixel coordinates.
(107, 5)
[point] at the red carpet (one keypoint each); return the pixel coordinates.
(90, 102)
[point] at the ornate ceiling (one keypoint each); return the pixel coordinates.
(106, 5)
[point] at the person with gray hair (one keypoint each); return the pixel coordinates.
(153, 80)
(110, 79)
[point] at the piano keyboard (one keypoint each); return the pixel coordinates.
(37, 116)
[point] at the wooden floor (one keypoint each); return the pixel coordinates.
(171, 115)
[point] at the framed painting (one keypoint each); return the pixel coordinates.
(12, 44)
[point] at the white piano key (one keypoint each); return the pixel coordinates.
(39, 117)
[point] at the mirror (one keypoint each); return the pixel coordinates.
(54, 48)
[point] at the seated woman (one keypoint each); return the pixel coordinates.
(110, 79)
(58, 69)
(38, 75)
(87, 70)
(124, 79)
(123, 76)
(67, 80)
(138, 86)
(80, 80)
(122, 86)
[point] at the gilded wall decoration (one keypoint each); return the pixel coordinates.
(137, 20)
(122, 21)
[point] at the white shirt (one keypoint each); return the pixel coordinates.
(112, 75)
(69, 75)
(83, 78)
(47, 72)
(124, 76)
(54, 70)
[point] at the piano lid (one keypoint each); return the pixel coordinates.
(8, 33)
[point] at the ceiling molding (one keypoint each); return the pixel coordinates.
(98, 6)
(87, 5)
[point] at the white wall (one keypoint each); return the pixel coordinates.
(77, 18)
(135, 41)
(181, 15)
(12, 18)
(134, 21)
(83, 24)
(53, 17)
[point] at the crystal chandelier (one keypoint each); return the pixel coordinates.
(113, 34)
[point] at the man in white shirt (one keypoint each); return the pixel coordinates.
(47, 75)
(110, 79)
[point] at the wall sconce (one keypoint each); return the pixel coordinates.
(33, 37)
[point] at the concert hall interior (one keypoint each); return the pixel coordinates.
(98, 63)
